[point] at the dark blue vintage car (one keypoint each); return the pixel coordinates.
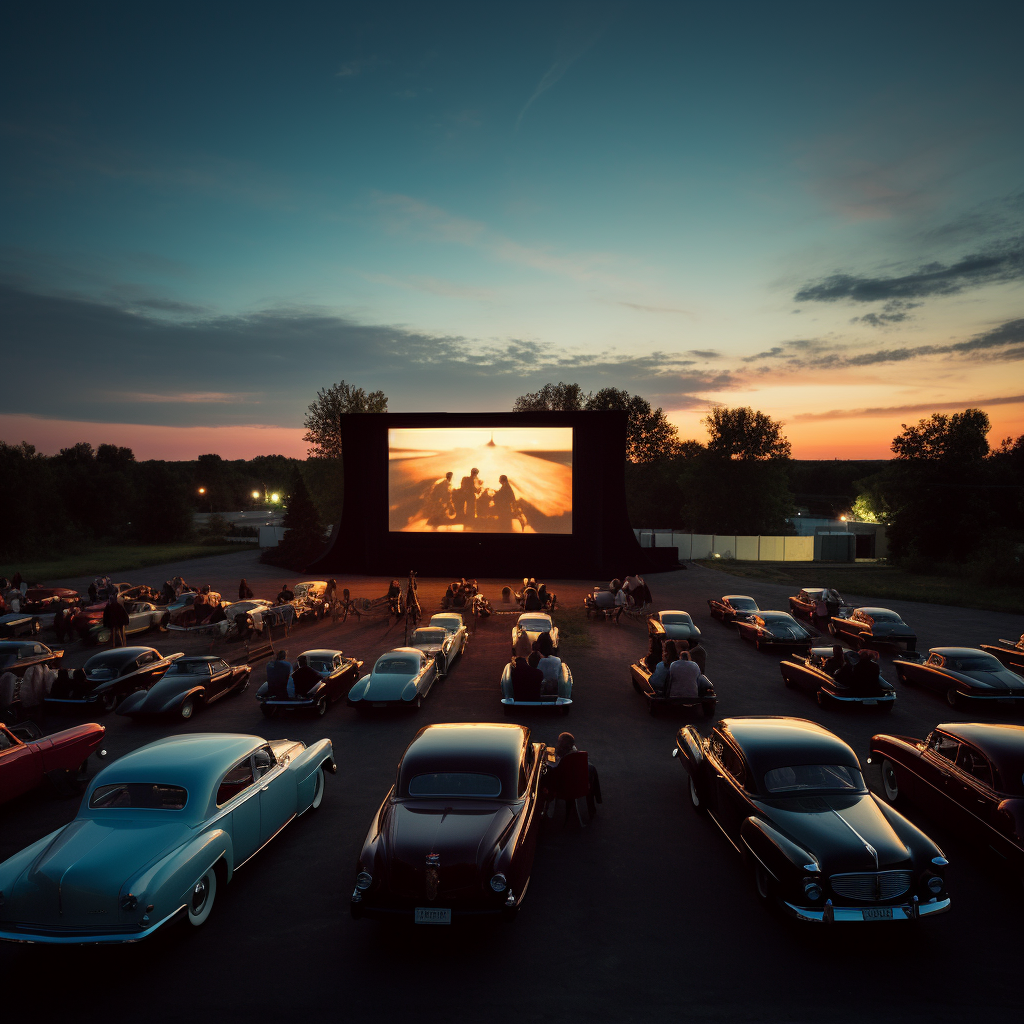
(964, 675)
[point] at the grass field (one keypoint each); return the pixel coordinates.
(877, 580)
(110, 558)
(573, 627)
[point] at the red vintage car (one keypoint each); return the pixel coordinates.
(27, 758)
(44, 599)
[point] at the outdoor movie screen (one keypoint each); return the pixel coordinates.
(479, 480)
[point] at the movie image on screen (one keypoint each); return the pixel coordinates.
(478, 480)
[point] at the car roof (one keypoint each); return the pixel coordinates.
(535, 615)
(200, 657)
(738, 597)
(813, 590)
(474, 746)
(196, 761)
(674, 611)
(769, 742)
(1002, 744)
(874, 610)
(319, 652)
(778, 615)
(956, 652)
(411, 652)
(120, 654)
(441, 616)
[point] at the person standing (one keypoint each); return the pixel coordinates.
(244, 593)
(279, 671)
(115, 618)
(16, 581)
(60, 624)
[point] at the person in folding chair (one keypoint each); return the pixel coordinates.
(572, 778)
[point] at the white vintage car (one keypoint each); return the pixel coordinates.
(443, 639)
(400, 678)
(159, 831)
(533, 624)
(142, 616)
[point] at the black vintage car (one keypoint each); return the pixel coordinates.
(337, 673)
(790, 798)
(969, 776)
(731, 607)
(964, 675)
(809, 600)
(188, 684)
(868, 627)
(706, 699)
(811, 672)
(111, 676)
(775, 630)
(19, 624)
(18, 655)
(455, 836)
(1008, 653)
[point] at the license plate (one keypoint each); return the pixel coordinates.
(379, 704)
(434, 915)
(877, 914)
(869, 702)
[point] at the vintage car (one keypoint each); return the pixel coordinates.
(964, 675)
(439, 643)
(533, 624)
(560, 700)
(808, 672)
(43, 599)
(142, 617)
(19, 624)
(867, 627)
(159, 831)
(245, 609)
(731, 607)
(706, 699)
(188, 684)
(456, 834)
(309, 600)
(400, 678)
(90, 615)
(809, 599)
(180, 613)
(1007, 653)
(673, 625)
(27, 758)
(790, 797)
(454, 625)
(112, 675)
(970, 777)
(772, 630)
(18, 655)
(337, 674)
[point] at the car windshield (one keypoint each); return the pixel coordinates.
(676, 619)
(446, 621)
(185, 668)
(974, 662)
(396, 666)
(535, 625)
(455, 784)
(428, 636)
(814, 778)
(743, 604)
(149, 795)
(323, 667)
(105, 665)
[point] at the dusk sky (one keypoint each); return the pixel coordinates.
(211, 211)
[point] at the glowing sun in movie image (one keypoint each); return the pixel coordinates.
(473, 480)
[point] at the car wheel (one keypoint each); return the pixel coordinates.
(695, 801)
(108, 702)
(888, 706)
(953, 697)
(268, 711)
(890, 783)
(507, 709)
(318, 789)
(186, 709)
(200, 900)
(762, 881)
(321, 707)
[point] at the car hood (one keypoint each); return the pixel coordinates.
(778, 631)
(998, 679)
(76, 881)
(891, 629)
(167, 691)
(837, 830)
(464, 838)
(386, 686)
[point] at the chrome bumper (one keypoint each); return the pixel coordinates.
(905, 912)
(881, 699)
(558, 702)
(85, 939)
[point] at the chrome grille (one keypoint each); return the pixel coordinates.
(871, 886)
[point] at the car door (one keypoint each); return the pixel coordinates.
(731, 802)
(932, 674)
(238, 792)
(803, 673)
(972, 788)
(221, 679)
(529, 790)
(277, 793)
(428, 673)
(937, 761)
(20, 766)
(912, 671)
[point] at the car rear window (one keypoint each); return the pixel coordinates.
(743, 604)
(429, 636)
(814, 778)
(455, 784)
(974, 662)
(185, 668)
(396, 666)
(153, 796)
(680, 619)
(535, 625)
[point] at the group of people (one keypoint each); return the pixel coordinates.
(534, 596)
(31, 689)
(536, 670)
(472, 501)
(676, 672)
(288, 682)
(858, 670)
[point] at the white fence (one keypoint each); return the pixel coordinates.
(693, 546)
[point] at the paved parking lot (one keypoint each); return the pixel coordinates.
(646, 915)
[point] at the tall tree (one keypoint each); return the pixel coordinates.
(962, 437)
(323, 420)
(304, 533)
(744, 433)
(552, 398)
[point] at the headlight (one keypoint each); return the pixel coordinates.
(812, 890)
(935, 884)
(364, 880)
(499, 883)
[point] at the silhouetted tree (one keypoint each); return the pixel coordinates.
(323, 420)
(745, 434)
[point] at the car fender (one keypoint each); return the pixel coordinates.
(412, 688)
(303, 767)
(131, 703)
(358, 691)
(784, 859)
(13, 868)
(506, 681)
(197, 693)
(689, 750)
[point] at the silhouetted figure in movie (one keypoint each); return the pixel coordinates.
(439, 507)
(506, 507)
(469, 492)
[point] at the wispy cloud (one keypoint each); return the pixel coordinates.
(891, 410)
(640, 308)
(187, 397)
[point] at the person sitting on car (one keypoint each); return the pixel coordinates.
(524, 646)
(669, 655)
(652, 659)
(279, 670)
(61, 689)
(526, 681)
(566, 744)
(835, 663)
(866, 672)
(683, 677)
(531, 600)
(285, 595)
(549, 665)
(845, 675)
(244, 593)
(303, 679)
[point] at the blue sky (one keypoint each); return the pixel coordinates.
(209, 215)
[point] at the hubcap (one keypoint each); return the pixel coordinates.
(199, 896)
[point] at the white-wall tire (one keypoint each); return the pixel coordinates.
(890, 783)
(200, 899)
(318, 789)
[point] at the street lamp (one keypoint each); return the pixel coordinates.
(202, 490)
(275, 497)
(256, 495)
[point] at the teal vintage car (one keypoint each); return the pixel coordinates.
(158, 832)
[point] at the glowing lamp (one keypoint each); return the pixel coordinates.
(202, 490)
(255, 494)
(275, 497)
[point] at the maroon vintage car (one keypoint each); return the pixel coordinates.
(969, 776)
(456, 834)
(44, 599)
(28, 758)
